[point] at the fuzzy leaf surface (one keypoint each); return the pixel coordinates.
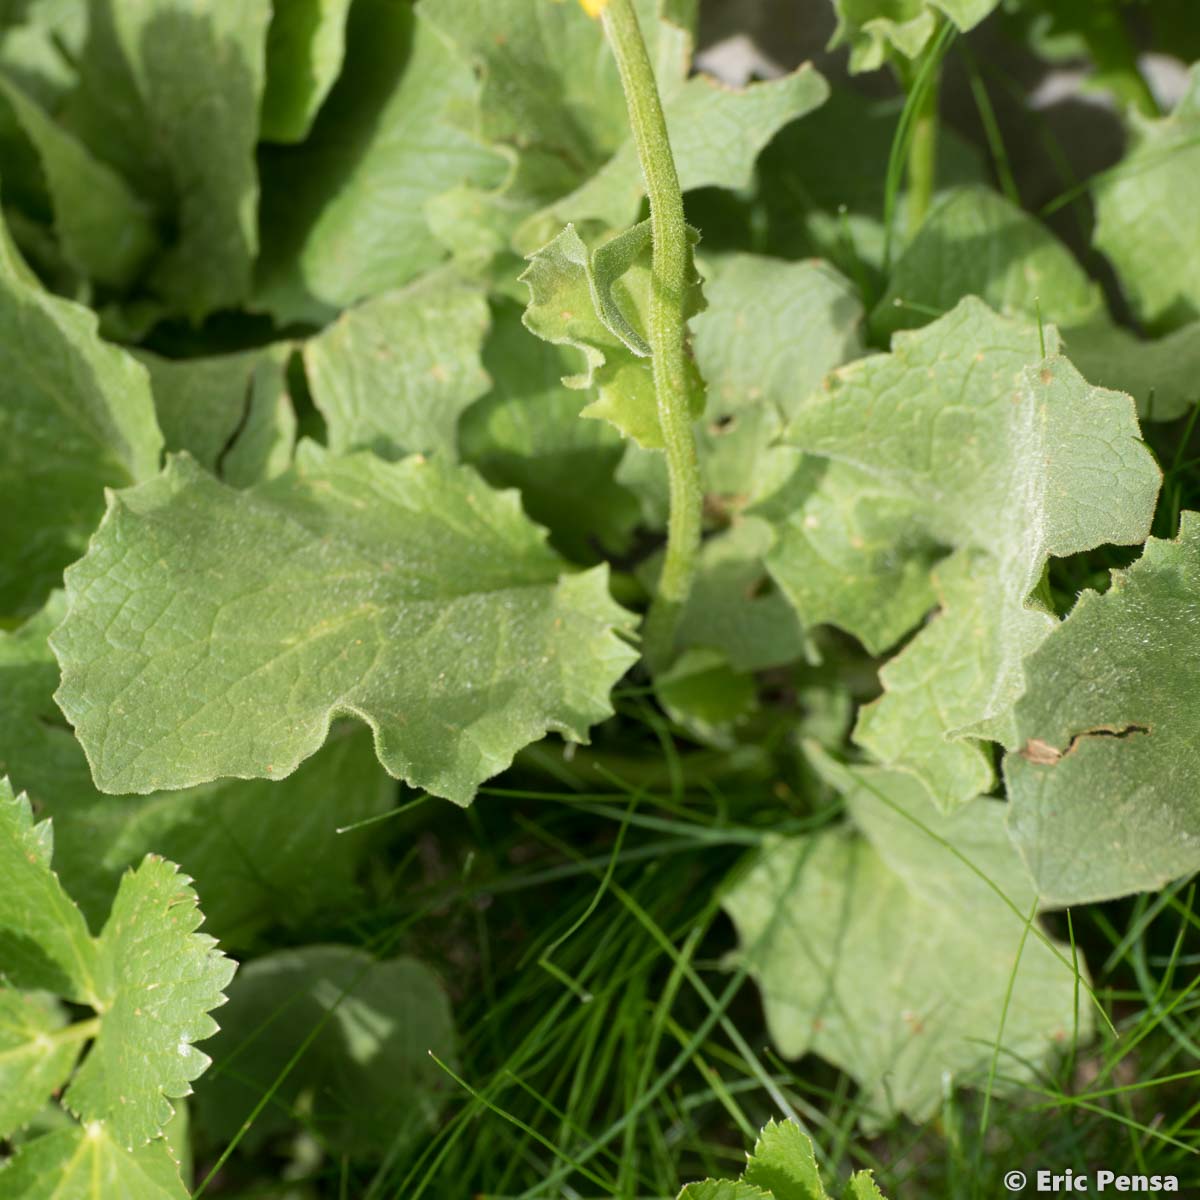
(1001, 455)
(158, 980)
(394, 374)
(1145, 223)
(890, 958)
(408, 595)
(1103, 788)
(76, 416)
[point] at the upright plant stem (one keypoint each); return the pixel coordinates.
(670, 266)
(922, 156)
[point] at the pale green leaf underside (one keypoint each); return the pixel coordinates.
(87, 1163)
(367, 1073)
(394, 374)
(44, 939)
(408, 595)
(75, 417)
(893, 962)
(35, 1060)
(1007, 458)
(305, 46)
(1146, 220)
(158, 980)
(1104, 787)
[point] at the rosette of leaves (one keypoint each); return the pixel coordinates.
(151, 980)
(876, 30)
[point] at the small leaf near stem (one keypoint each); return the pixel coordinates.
(669, 274)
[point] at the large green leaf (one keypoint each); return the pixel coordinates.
(169, 94)
(1104, 787)
(526, 433)
(36, 1055)
(892, 958)
(250, 844)
(88, 1163)
(1145, 221)
(343, 213)
(394, 374)
(408, 595)
(1162, 375)
(1007, 458)
(305, 47)
(878, 29)
(232, 412)
(76, 416)
(365, 1081)
(159, 979)
(105, 230)
(974, 242)
(44, 937)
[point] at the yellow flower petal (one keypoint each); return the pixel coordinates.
(594, 8)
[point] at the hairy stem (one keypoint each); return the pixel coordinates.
(670, 266)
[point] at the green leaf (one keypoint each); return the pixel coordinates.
(35, 1056)
(597, 303)
(1008, 458)
(232, 413)
(169, 94)
(105, 231)
(394, 374)
(365, 1082)
(722, 1189)
(250, 845)
(893, 960)
(158, 981)
(1145, 222)
(305, 47)
(76, 417)
(43, 936)
(876, 30)
(88, 1163)
(526, 433)
(408, 595)
(1103, 788)
(717, 132)
(784, 1165)
(1161, 375)
(343, 213)
(974, 242)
